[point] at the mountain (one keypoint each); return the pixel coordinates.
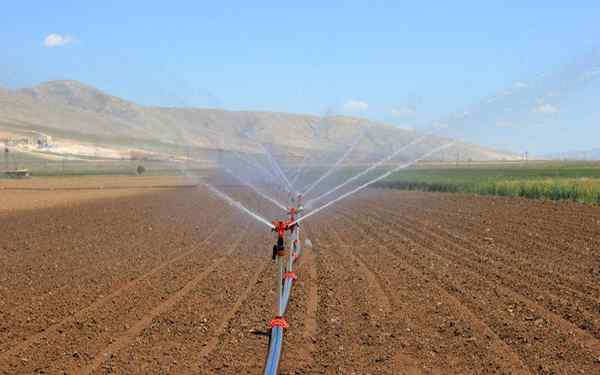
(75, 111)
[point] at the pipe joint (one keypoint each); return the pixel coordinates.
(278, 321)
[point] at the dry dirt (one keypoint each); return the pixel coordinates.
(176, 282)
(40, 192)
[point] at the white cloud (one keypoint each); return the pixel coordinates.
(506, 125)
(513, 125)
(404, 111)
(520, 85)
(355, 105)
(406, 127)
(462, 115)
(550, 94)
(57, 40)
(590, 75)
(546, 108)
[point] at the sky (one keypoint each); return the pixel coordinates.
(411, 65)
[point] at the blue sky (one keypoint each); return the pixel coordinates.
(407, 64)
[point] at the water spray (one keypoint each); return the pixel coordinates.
(251, 186)
(336, 164)
(302, 166)
(238, 205)
(278, 169)
(381, 177)
(256, 165)
(369, 169)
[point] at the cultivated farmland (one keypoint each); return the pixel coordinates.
(173, 280)
(574, 181)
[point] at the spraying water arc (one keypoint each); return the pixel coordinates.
(369, 169)
(238, 205)
(278, 169)
(262, 169)
(366, 184)
(255, 189)
(336, 164)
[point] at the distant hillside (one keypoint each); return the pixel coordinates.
(70, 109)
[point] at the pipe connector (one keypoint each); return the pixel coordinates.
(278, 321)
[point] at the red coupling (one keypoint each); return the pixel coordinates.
(290, 275)
(280, 227)
(278, 322)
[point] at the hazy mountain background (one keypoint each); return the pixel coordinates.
(76, 112)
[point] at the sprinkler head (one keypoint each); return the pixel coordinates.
(280, 227)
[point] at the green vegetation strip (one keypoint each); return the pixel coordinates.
(554, 181)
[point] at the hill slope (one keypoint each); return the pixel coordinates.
(70, 109)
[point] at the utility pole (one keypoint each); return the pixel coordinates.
(6, 161)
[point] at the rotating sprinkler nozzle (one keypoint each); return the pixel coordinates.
(280, 227)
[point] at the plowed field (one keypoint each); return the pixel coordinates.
(174, 281)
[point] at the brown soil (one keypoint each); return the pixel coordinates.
(175, 281)
(39, 192)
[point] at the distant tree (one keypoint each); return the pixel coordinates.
(140, 170)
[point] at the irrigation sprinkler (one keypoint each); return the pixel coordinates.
(287, 247)
(322, 165)
(284, 281)
(285, 276)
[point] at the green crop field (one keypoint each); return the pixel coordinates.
(538, 180)
(82, 166)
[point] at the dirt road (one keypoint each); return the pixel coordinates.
(177, 282)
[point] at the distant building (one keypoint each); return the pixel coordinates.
(43, 140)
(18, 141)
